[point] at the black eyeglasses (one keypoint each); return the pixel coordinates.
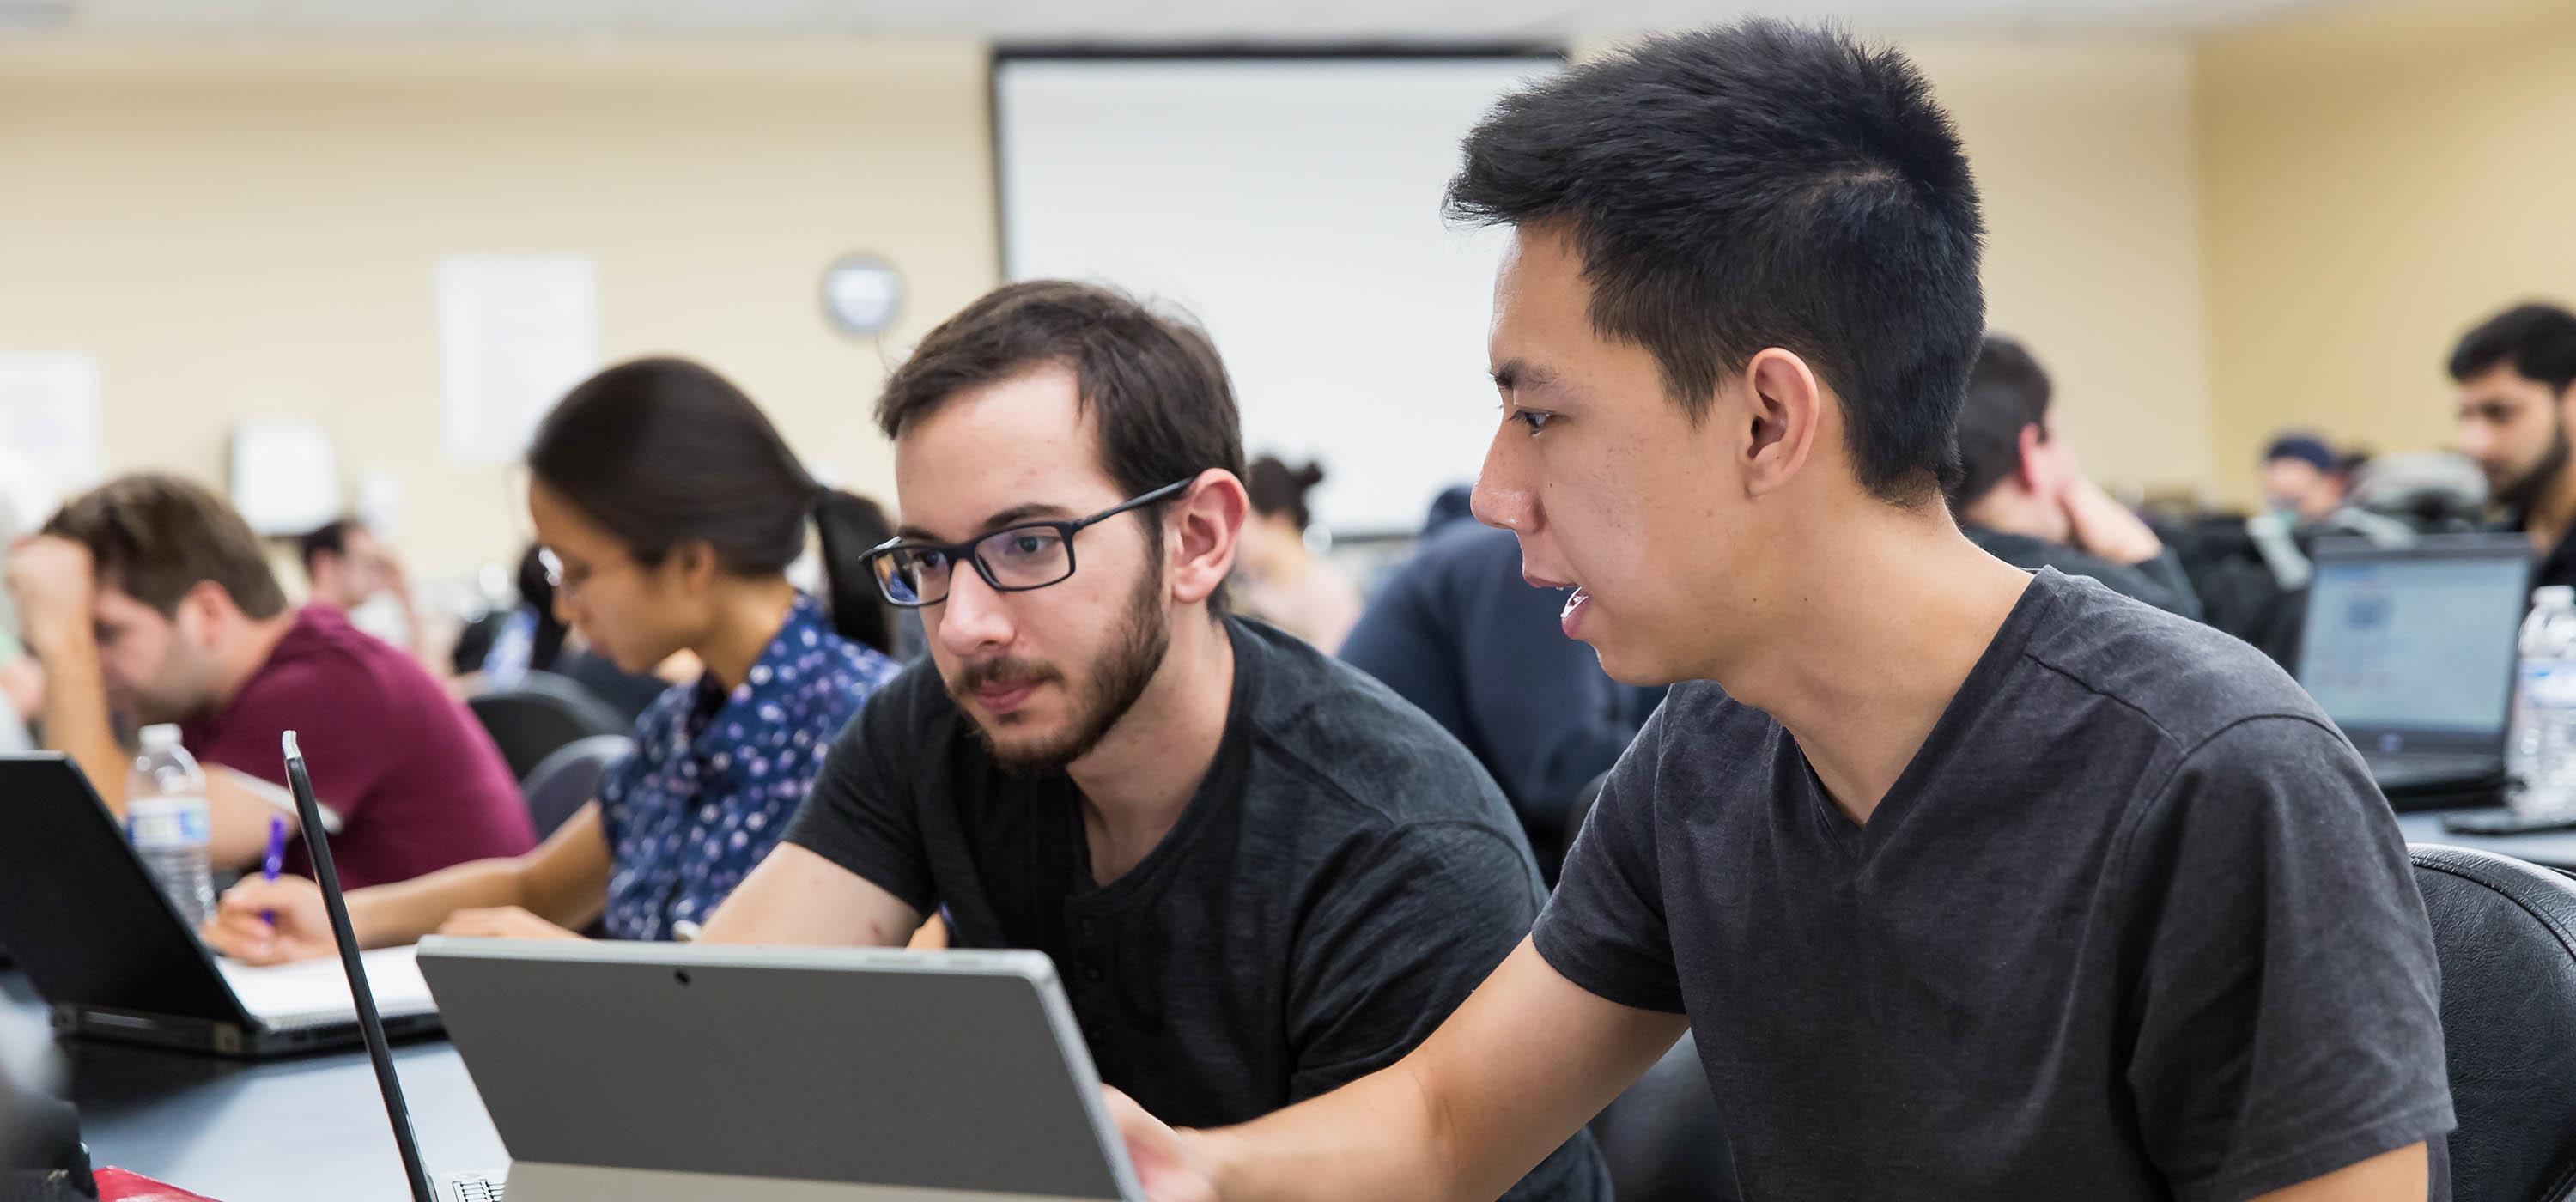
(1023, 557)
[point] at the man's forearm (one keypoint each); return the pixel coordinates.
(1379, 1137)
(74, 712)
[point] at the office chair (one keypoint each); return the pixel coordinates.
(539, 716)
(2506, 935)
(569, 778)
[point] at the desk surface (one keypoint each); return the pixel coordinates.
(2549, 849)
(314, 1127)
(311, 1127)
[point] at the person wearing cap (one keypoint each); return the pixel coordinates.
(2303, 478)
(2020, 497)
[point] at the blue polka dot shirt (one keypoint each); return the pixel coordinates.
(715, 776)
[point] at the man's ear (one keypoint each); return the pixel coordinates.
(2036, 467)
(203, 612)
(1780, 412)
(1202, 530)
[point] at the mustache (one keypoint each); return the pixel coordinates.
(1006, 670)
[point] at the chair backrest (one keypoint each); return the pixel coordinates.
(569, 778)
(539, 716)
(2506, 935)
(1662, 1138)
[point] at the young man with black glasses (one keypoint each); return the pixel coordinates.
(1260, 873)
(1974, 884)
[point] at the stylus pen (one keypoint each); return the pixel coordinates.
(276, 858)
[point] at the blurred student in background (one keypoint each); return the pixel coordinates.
(535, 638)
(670, 509)
(1456, 631)
(2517, 375)
(2303, 478)
(351, 570)
(2020, 496)
(151, 599)
(1280, 579)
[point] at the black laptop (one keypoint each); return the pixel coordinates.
(2411, 649)
(113, 959)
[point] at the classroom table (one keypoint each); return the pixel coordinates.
(2549, 849)
(310, 1127)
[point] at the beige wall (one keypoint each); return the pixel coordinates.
(244, 232)
(2377, 179)
(249, 231)
(2083, 155)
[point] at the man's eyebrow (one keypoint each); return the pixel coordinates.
(1519, 374)
(1012, 516)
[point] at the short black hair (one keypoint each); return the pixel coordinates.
(1153, 384)
(2538, 341)
(331, 539)
(1757, 185)
(2008, 392)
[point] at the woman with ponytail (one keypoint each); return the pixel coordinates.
(1283, 582)
(669, 509)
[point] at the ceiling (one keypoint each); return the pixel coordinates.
(1096, 20)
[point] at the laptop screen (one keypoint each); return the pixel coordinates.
(2414, 642)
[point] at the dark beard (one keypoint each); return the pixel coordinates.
(2519, 494)
(1144, 635)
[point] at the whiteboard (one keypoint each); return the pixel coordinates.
(1291, 206)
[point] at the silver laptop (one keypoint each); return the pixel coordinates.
(2411, 651)
(660, 1072)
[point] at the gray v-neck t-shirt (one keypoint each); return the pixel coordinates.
(2133, 924)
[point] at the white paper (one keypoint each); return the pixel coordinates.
(49, 416)
(308, 992)
(515, 332)
(286, 481)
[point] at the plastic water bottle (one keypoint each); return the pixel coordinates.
(165, 815)
(2541, 749)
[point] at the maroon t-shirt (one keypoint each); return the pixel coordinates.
(417, 784)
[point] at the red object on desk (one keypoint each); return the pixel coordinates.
(117, 1185)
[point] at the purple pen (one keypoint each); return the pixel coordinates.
(276, 858)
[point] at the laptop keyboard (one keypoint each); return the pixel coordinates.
(474, 1189)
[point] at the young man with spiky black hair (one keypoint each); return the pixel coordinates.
(1973, 883)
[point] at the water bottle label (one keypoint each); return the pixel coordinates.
(2549, 682)
(168, 822)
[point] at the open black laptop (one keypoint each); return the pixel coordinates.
(113, 959)
(2410, 650)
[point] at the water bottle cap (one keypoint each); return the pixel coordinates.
(2555, 596)
(160, 737)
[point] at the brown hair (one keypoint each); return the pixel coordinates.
(1154, 384)
(156, 536)
(1277, 488)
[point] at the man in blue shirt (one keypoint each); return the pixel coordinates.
(1459, 633)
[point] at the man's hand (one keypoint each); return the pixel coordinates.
(1165, 1164)
(241, 928)
(55, 583)
(2105, 527)
(502, 922)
